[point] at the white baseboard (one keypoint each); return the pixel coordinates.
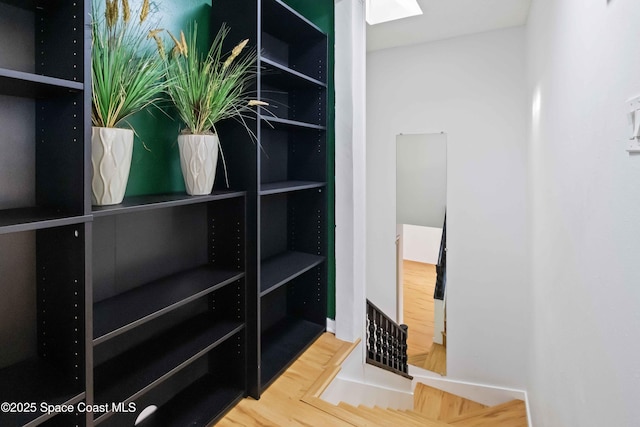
(486, 394)
(331, 325)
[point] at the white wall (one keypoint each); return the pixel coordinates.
(350, 169)
(421, 244)
(473, 88)
(584, 60)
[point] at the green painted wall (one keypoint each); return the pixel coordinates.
(157, 169)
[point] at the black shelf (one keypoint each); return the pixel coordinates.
(138, 370)
(34, 381)
(33, 218)
(281, 75)
(23, 4)
(287, 23)
(277, 123)
(26, 4)
(283, 343)
(161, 201)
(281, 269)
(125, 311)
(27, 85)
(293, 41)
(200, 405)
(288, 186)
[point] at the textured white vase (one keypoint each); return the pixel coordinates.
(198, 160)
(111, 151)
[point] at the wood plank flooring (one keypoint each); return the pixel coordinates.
(419, 283)
(281, 404)
(512, 414)
(439, 405)
(292, 400)
(436, 360)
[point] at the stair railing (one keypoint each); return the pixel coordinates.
(386, 342)
(441, 267)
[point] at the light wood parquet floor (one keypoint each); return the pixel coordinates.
(281, 404)
(419, 284)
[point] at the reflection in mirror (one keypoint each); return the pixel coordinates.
(421, 200)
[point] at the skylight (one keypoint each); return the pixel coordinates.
(379, 11)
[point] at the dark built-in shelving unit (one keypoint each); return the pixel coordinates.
(44, 217)
(285, 175)
(168, 293)
(185, 303)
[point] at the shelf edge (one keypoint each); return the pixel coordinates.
(103, 338)
(173, 371)
(292, 189)
(188, 200)
(291, 71)
(45, 417)
(299, 16)
(289, 122)
(47, 223)
(293, 276)
(53, 82)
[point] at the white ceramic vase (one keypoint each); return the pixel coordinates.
(111, 151)
(198, 160)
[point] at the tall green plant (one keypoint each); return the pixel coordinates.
(207, 88)
(127, 76)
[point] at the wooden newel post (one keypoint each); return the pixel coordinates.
(403, 348)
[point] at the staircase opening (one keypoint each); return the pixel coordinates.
(311, 392)
(386, 342)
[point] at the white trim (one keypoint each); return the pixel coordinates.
(438, 321)
(526, 402)
(350, 173)
(331, 326)
(489, 395)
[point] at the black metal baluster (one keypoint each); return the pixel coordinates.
(379, 335)
(396, 350)
(386, 341)
(371, 333)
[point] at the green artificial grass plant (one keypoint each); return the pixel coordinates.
(207, 88)
(127, 76)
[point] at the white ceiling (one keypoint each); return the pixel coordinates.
(443, 19)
